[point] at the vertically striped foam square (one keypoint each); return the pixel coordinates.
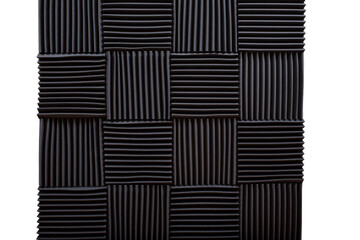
(138, 212)
(270, 211)
(271, 86)
(71, 152)
(204, 151)
(138, 85)
(205, 26)
(70, 26)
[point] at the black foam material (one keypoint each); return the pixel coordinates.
(171, 119)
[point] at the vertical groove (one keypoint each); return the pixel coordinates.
(55, 157)
(214, 25)
(204, 125)
(276, 208)
(192, 142)
(138, 212)
(56, 25)
(140, 85)
(283, 89)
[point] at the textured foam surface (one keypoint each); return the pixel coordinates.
(170, 119)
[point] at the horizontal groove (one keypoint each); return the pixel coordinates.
(204, 211)
(78, 85)
(149, 151)
(268, 151)
(190, 85)
(259, 19)
(72, 213)
(229, 165)
(148, 20)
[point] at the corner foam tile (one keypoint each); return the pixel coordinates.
(170, 119)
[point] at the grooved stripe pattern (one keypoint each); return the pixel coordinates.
(137, 24)
(170, 119)
(138, 212)
(271, 86)
(270, 152)
(138, 85)
(204, 151)
(272, 25)
(270, 211)
(71, 152)
(72, 213)
(138, 152)
(204, 85)
(70, 26)
(205, 26)
(72, 85)
(204, 212)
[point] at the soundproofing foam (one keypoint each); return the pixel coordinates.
(170, 119)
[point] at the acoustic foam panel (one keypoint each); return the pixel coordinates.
(171, 119)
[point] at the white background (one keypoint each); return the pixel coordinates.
(331, 197)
